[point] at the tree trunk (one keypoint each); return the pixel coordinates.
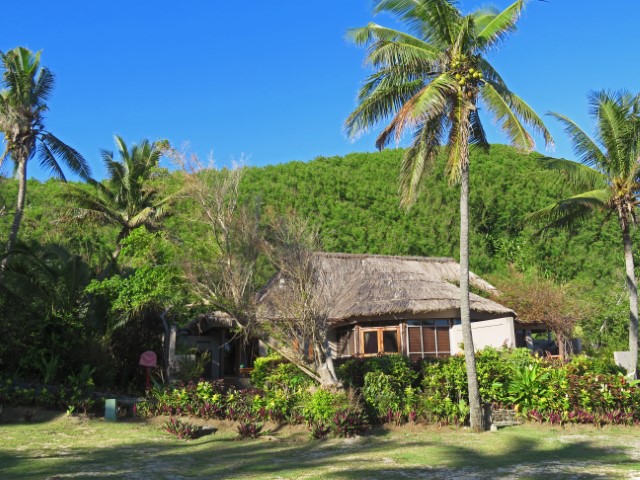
(124, 232)
(322, 372)
(632, 285)
(17, 217)
(476, 417)
(329, 360)
(561, 340)
(324, 364)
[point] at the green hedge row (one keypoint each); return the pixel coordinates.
(584, 390)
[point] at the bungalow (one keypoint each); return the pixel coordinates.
(381, 304)
(375, 304)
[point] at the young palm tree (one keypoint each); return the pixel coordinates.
(430, 82)
(609, 173)
(127, 198)
(25, 89)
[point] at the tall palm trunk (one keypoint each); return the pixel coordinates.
(124, 233)
(475, 418)
(632, 285)
(22, 190)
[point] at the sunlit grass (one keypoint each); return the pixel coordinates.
(64, 447)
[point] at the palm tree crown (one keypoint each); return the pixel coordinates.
(26, 86)
(431, 80)
(127, 199)
(611, 179)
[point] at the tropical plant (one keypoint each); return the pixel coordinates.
(26, 86)
(249, 428)
(182, 429)
(608, 174)
(43, 286)
(127, 199)
(430, 82)
(527, 385)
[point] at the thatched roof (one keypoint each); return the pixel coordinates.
(378, 285)
(207, 321)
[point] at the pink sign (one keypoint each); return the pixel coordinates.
(148, 359)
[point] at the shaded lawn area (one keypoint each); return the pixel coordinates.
(63, 447)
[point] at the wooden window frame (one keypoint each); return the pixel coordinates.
(379, 331)
(420, 328)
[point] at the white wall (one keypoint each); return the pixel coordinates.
(486, 333)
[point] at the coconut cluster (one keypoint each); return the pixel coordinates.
(464, 73)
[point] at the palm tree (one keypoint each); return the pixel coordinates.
(430, 82)
(25, 89)
(127, 199)
(609, 173)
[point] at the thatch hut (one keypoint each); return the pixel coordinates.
(378, 304)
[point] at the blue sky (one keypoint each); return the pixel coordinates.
(273, 81)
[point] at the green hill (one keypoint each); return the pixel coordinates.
(354, 201)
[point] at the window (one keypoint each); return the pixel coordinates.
(428, 338)
(374, 341)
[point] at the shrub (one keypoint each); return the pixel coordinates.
(444, 388)
(244, 403)
(322, 405)
(349, 423)
(285, 387)
(319, 430)
(581, 364)
(181, 429)
(263, 367)
(352, 372)
(383, 396)
(249, 428)
(528, 387)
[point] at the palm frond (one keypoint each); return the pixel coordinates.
(89, 205)
(373, 33)
(4, 156)
(578, 176)
(490, 74)
(477, 137)
(567, 212)
(492, 29)
(21, 75)
(43, 84)
(615, 129)
(434, 20)
(395, 76)
(406, 118)
(432, 101)
(587, 151)
(506, 116)
(419, 158)
(524, 112)
(143, 217)
(48, 161)
(464, 39)
(71, 157)
(386, 53)
(384, 101)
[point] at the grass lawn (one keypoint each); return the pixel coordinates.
(57, 447)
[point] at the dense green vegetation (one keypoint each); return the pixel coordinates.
(353, 200)
(392, 389)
